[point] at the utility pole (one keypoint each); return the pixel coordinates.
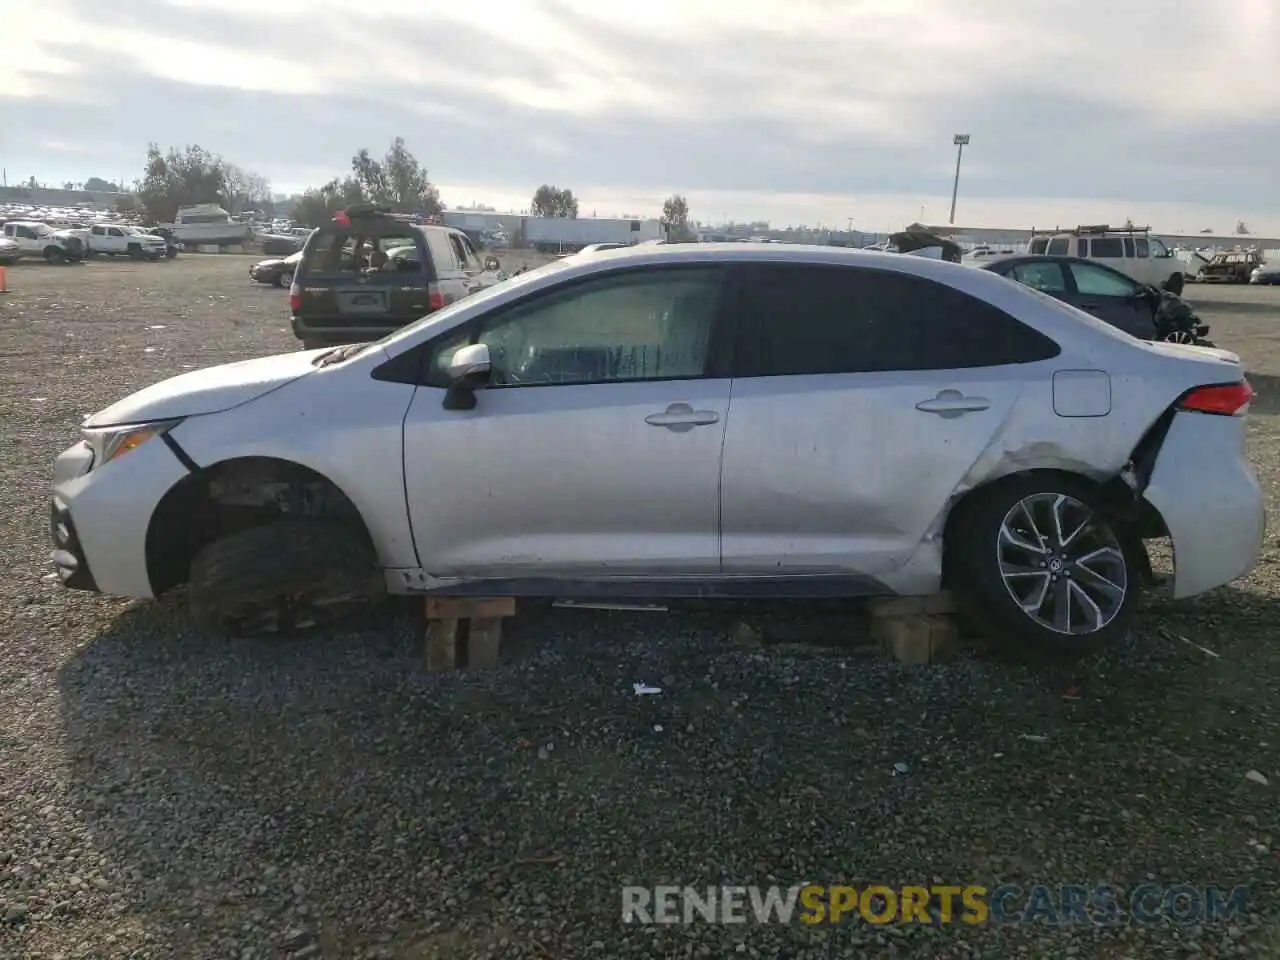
(961, 140)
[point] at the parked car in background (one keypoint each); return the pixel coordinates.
(1234, 267)
(281, 245)
(172, 246)
(35, 239)
(10, 252)
(835, 423)
(1194, 262)
(1134, 252)
(1136, 308)
(1265, 274)
(278, 271)
(369, 272)
(123, 240)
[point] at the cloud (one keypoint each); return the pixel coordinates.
(1139, 104)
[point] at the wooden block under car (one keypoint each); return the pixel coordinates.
(465, 631)
(915, 639)
(930, 605)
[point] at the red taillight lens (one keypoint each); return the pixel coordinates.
(436, 300)
(295, 298)
(1224, 399)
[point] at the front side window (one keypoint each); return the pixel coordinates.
(1158, 249)
(1045, 277)
(652, 325)
(1094, 281)
(815, 319)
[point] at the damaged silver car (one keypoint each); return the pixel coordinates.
(694, 420)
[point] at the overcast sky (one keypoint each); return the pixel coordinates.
(1166, 111)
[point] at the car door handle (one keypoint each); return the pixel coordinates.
(953, 403)
(681, 416)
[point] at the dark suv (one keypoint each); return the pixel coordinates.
(370, 272)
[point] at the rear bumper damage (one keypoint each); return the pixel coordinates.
(1191, 468)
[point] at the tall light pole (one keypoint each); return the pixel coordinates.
(961, 140)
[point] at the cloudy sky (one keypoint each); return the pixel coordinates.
(1166, 111)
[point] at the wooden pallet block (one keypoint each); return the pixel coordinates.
(915, 630)
(465, 631)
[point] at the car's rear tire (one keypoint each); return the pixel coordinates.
(283, 577)
(284, 279)
(135, 252)
(1015, 557)
(1174, 284)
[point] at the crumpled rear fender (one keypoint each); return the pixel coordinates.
(1209, 499)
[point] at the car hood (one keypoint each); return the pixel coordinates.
(269, 262)
(207, 391)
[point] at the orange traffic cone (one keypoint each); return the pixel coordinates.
(4, 281)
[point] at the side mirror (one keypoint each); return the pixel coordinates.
(492, 264)
(468, 371)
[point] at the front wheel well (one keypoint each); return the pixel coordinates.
(230, 496)
(1144, 523)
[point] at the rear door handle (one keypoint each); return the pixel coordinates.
(681, 417)
(953, 403)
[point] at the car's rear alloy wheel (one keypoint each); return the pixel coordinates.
(284, 279)
(1062, 564)
(1041, 570)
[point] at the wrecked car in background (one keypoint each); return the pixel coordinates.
(1234, 267)
(953, 429)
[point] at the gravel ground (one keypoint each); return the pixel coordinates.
(169, 794)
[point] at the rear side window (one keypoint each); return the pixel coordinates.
(815, 319)
(444, 251)
(1058, 247)
(1107, 248)
(1128, 247)
(361, 251)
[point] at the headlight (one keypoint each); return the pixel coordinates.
(110, 443)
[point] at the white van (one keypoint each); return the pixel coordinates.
(1133, 252)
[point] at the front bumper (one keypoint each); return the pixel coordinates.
(100, 515)
(68, 558)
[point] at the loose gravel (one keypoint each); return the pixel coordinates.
(165, 793)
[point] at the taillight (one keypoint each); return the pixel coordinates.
(1224, 399)
(436, 300)
(295, 298)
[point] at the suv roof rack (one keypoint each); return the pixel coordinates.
(370, 211)
(1090, 230)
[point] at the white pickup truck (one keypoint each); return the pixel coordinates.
(117, 239)
(35, 239)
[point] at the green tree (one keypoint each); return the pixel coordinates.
(97, 183)
(398, 180)
(675, 219)
(178, 179)
(318, 205)
(549, 201)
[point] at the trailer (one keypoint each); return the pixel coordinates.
(563, 234)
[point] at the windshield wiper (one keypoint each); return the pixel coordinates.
(338, 354)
